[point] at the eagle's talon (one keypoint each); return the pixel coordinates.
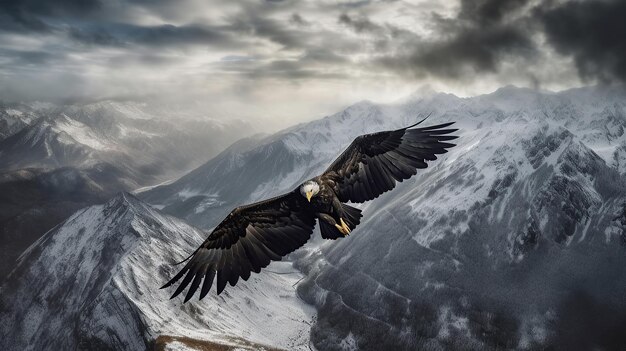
(343, 229)
(346, 228)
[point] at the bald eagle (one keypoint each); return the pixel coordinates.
(253, 235)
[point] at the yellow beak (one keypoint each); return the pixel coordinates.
(309, 195)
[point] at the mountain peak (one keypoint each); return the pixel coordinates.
(95, 279)
(127, 200)
(83, 258)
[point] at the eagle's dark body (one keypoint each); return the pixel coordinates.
(330, 211)
(251, 236)
(324, 202)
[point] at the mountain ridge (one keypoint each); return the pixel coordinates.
(100, 271)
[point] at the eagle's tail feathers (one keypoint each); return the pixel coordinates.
(328, 231)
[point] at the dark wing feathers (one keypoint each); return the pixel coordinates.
(373, 163)
(254, 235)
(247, 240)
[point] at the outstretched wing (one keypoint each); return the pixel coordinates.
(246, 241)
(373, 163)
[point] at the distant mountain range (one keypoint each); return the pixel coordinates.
(515, 239)
(14, 117)
(55, 160)
(149, 148)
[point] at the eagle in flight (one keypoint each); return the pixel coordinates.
(253, 235)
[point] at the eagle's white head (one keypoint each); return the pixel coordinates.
(309, 189)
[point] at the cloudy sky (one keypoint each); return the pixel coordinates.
(302, 58)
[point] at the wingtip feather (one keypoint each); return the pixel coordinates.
(186, 259)
(411, 126)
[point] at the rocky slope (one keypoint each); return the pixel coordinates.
(32, 201)
(92, 283)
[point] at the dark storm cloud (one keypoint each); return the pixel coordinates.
(323, 56)
(16, 21)
(119, 34)
(480, 50)
(32, 15)
(50, 8)
(309, 65)
(27, 58)
(360, 25)
(486, 12)
(298, 20)
(364, 25)
(144, 59)
(248, 23)
(91, 22)
(487, 33)
(355, 4)
(169, 34)
(293, 70)
(94, 37)
(292, 41)
(479, 39)
(592, 32)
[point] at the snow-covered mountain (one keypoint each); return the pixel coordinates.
(149, 148)
(14, 117)
(93, 283)
(255, 168)
(509, 241)
(32, 201)
(513, 240)
(100, 148)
